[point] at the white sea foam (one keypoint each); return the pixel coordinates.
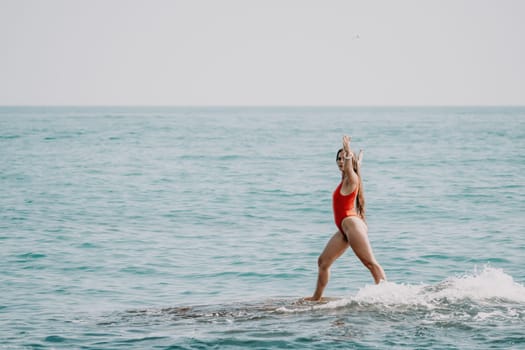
(390, 293)
(488, 286)
(490, 283)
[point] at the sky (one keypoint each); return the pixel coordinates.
(262, 52)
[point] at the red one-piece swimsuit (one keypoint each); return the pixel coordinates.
(344, 206)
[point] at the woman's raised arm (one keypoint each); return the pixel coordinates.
(348, 169)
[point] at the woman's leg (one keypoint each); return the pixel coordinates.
(335, 247)
(357, 233)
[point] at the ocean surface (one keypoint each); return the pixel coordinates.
(200, 228)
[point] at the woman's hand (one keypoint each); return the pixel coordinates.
(346, 146)
(360, 157)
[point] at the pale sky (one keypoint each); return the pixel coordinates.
(262, 52)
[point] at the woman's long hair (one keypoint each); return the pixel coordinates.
(360, 200)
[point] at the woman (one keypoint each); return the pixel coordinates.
(349, 214)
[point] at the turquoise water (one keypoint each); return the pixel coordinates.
(196, 228)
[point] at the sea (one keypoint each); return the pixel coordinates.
(200, 228)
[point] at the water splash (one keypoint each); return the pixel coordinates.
(486, 296)
(484, 286)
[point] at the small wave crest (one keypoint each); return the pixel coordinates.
(489, 294)
(489, 284)
(489, 288)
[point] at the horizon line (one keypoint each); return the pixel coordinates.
(261, 106)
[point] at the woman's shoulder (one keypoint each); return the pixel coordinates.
(348, 186)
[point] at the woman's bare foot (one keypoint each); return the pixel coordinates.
(311, 299)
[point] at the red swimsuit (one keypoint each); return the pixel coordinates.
(344, 206)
